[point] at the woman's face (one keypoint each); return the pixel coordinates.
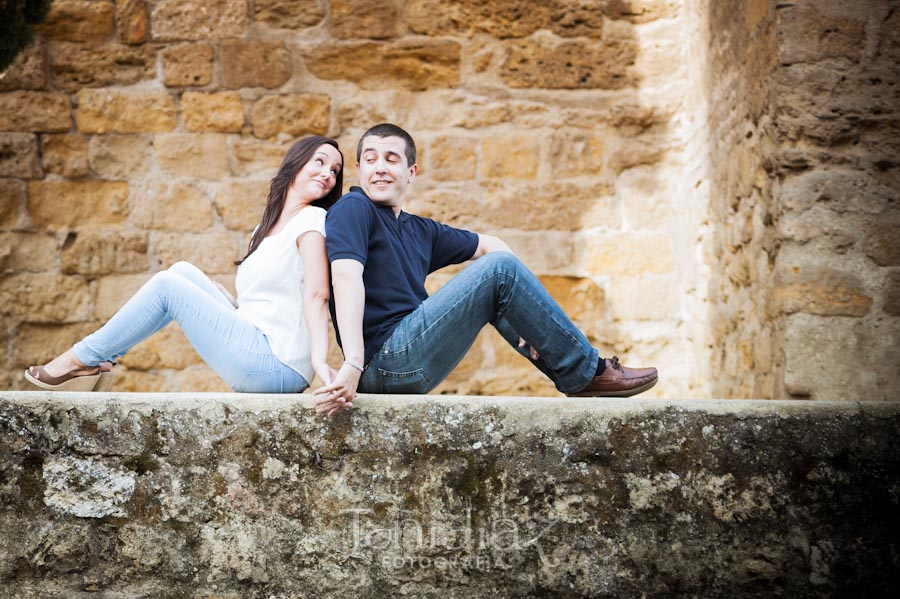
(317, 177)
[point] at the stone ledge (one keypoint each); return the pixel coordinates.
(224, 495)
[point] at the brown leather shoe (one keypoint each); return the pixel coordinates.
(619, 381)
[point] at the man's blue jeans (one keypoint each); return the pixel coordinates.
(496, 289)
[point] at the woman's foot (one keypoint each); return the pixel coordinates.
(64, 373)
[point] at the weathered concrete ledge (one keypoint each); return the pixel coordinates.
(198, 495)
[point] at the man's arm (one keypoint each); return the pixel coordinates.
(349, 304)
(488, 244)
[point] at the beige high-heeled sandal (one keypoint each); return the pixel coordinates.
(36, 375)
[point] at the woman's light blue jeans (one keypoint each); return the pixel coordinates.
(496, 289)
(234, 348)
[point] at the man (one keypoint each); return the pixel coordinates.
(395, 338)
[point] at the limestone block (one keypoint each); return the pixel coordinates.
(221, 111)
(544, 252)
(86, 488)
(890, 302)
(575, 153)
(505, 18)
(168, 348)
(175, 20)
(580, 298)
(131, 21)
(646, 149)
(187, 64)
(161, 205)
(200, 379)
(34, 111)
(251, 63)
(816, 357)
(108, 111)
(840, 190)
(353, 19)
(409, 64)
(510, 156)
(755, 12)
(453, 158)
(543, 62)
(629, 254)
(820, 225)
(821, 290)
(213, 253)
(241, 204)
(18, 155)
(252, 157)
(113, 291)
(28, 71)
(640, 11)
(12, 193)
(138, 381)
(40, 343)
(198, 156)
(78, 21)
(76, 66)
(101, 251)
(810, 32)
(882, 241)
(65, 154)
(296, 115)
(563, 207)
(645, 298)
(44, 298)
(646, 197)
(28, 252)
(77, 203)
(121, 157)
(289, 14)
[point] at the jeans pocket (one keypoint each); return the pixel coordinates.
(404, 382)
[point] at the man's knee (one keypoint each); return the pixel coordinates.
(501, 261)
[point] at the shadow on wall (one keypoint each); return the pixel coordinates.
(803, 211)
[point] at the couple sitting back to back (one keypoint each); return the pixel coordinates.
(395, 338)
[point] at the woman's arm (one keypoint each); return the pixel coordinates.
(315, 300)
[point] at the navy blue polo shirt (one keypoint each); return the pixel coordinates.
(397, 253)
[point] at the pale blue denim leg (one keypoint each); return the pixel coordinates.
(234, 348)
(496, 289)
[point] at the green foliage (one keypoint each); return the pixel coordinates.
(17, 17)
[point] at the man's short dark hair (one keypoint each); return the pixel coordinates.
(389, 130)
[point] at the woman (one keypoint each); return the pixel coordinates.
(275, 336)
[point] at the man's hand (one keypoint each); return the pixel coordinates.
(332, 398)
(523, 344)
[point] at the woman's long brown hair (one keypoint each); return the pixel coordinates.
(295, 159)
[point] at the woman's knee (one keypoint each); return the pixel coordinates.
(183, 268)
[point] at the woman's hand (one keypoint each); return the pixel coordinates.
(334, 397)
(325, 372)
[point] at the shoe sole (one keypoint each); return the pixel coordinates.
(77, 383)
(105, 382)
(623, 393)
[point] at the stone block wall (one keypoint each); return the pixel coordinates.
(640, 155)
(800, 164)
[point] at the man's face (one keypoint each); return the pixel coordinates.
(383, 170)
